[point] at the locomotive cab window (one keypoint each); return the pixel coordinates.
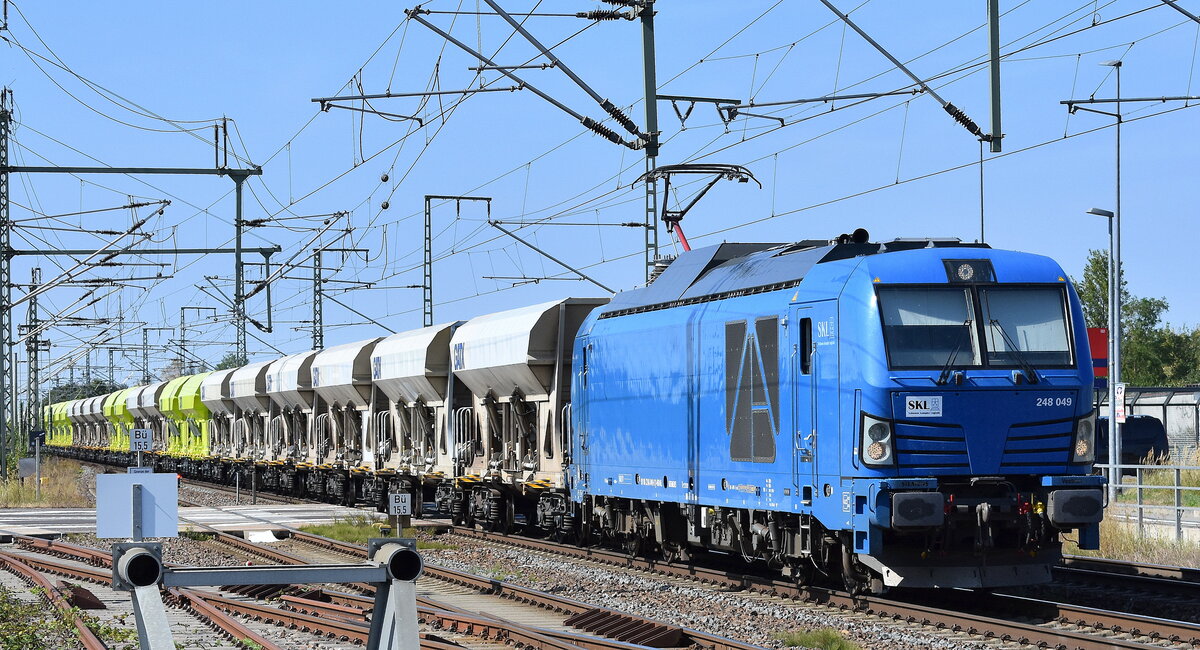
(1027, 323)
(929, 327)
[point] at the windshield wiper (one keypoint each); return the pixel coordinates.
(1026, 367)
(944, 375)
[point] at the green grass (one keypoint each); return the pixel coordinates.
(1119, 541)
(357, 529)
(60, 487)
(824, 638)
(1165, 496)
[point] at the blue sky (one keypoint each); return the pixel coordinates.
(898, 166)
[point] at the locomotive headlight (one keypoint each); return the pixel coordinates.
(1085, 439)
(878, 431)
(876, 443)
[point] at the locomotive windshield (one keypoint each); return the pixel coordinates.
(1025, 322)
(938, 327)
(929, 327)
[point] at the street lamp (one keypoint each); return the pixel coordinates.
(1114, 362)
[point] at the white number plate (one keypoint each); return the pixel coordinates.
(1055, 401)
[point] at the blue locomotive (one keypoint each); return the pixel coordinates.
(913, 413)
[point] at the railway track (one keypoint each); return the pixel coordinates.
(456, 594)
(1023, 620)
(515, 615)
(1006, 616)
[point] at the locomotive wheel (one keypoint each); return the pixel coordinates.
(670, 552)
(632, 544)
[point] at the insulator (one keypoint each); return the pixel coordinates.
(603, 14)
(619, 116)
(602, 130)
(962, 119)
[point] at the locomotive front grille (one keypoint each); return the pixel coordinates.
(926, 450)
(1043, 445)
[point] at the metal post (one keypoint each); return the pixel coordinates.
(32, 347)
(112, 367)
(318, 333)
(37, 469)
(182, 342)
(427, 264)
(1140, 505)
(137, 506)
(1178, 505)
(651, 98)
(145, 355)
(5, 283)
(427, 268)
(994, 44)
(239, 307)
(1115, 334)
(1114, 472)
(13, 433)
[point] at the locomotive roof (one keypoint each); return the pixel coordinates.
(731, 269)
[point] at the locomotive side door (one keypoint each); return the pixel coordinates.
(814, 393)
(803, 424)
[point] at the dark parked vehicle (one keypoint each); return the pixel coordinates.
(1141, 436)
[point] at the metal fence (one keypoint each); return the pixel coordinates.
(1155, 496)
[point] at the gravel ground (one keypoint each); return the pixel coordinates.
(754, 618)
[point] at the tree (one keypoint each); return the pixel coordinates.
(1152, 353)
(231, 360)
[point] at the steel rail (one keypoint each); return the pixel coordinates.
(1185, 574)
(534, 597)
(1107, 577)
(977, 624)
(219, 619)
(327, 627)
(354, 607)
(87, 638)
(49, 566)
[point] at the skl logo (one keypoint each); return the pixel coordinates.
(459, 363)
(316, 372)
(376, 367)
(826, 328)
(918, 405)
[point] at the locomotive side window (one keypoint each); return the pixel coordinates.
(806, 346)
(752, 389)
(1028, 322)
(929, 327)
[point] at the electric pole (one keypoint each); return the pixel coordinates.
(318, 279)
(5, 285)
(650, 78)
(146, 378)
(318, 333)
(427, 265)
(34, 345)
(184, 366)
